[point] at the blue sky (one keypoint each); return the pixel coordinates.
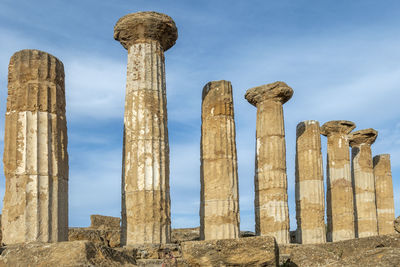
(341, 57)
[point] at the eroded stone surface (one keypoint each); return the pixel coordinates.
(108, 238)
(277, 91)
(251, 251)
(141, 27)
(310, 197)
(384, 194)
(35, 150)
(102, 222)
(146, 216)
(271, 207)
(77, 254)
(219, 205)
(335, 127)
(370, 251)
(340, 206)
(397, 224)
(366, 136)
(185, 234)
(363, 182)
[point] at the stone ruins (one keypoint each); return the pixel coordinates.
(359, 194)
(339, 195)
(146, 214)
(35, 206)
(219, 205)
(310, 196)
(366, 223)
(270, 180)
(384, 194)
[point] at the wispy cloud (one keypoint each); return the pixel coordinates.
(341, 64)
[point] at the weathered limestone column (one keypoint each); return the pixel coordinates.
(146, 216)
(35, 206)
(339, 199)
(219, 206)
(384, 194)
(271, 206)
(366, 223)
(310, 196)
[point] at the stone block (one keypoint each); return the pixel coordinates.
(104, 222)
(369, 251)
(250, 251)
(397, 224)
(109, 238)
(76, 253)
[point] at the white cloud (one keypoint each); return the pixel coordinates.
(95, 88)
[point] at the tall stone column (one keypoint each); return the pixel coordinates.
(271, 205)
(35, 206)
(310, 196)
(384, 194)
(339, 199)
(146, 216)
(219, 206)
(363, 182)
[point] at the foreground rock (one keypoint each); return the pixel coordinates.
(102, 222)
(108, 238)
(397, 224)
(78, 253)
(251, 251)
(185, 234)
(369, 251)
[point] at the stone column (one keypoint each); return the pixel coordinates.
(339, 199)
(271, 206)
(35, 206)
(219, 206)
(366, 223)
(146, 216)
(384, 194)
(310, 196)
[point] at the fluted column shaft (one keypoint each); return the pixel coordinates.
(384, 194)
(219, 206)
(364, 186)
(310, 197)
(339, 199)
(340, 206)
(146, 210)
(364, 191)
(35, 206)
(146, 214)
(271, 206)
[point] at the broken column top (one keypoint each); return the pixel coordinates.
(277, 91)
(217, 99)
(27, 69)
(381, 157)
(141, 27)
(210, 86)
(300, 128)
(340, 126)
(37, 66)
(366, 136)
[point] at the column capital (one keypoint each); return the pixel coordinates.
(277, 91)
(366, 136)
(339, 126)
(142, 27)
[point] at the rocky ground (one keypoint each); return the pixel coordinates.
(99, 245)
